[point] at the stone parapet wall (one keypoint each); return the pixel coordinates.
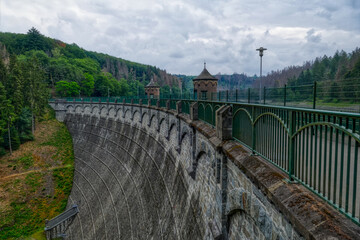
(148, 173)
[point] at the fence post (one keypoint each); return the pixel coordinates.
(285, 95)
(248, 95)
(253, 129)
(236, 95)
(227, 95)
(314, 95)
(194, 111)
(264, 94)
(292, 145)
(179, 107)
(224, 122)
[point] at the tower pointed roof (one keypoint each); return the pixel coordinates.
(205, 75)
(152, 83)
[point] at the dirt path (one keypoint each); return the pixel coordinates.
(32, 171)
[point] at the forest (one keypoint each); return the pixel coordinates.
(338, 67)
(34, 68)
(23, 97)
(337, 79)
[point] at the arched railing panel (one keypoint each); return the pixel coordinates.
(209, 114)
(326, 161)
(201, 111)
(272, 139)
(242, 127)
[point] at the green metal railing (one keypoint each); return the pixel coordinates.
(318, 149)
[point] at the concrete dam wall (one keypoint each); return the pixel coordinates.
(144, 172)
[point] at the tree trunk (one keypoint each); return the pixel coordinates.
(32, 119)
(9, 138)
(32, 123)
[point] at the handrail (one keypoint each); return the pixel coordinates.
(61, 218)
(308, 110)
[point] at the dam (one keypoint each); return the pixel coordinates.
(155, 170)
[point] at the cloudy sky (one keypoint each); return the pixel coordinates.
(178, 35)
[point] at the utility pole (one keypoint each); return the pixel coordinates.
(261, 54)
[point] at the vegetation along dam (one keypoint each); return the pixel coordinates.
(166, 169)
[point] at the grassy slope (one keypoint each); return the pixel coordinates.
(35, 181)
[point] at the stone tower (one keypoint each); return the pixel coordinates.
(152, 90)
(204, 85)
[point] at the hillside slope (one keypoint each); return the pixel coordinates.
(35, 181)
(91, 73)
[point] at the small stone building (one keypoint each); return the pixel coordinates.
(204, 85)
(152, 90)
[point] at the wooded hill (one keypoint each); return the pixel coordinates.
(73, 71)
(34, 68)
(341, 66)
(340, 69)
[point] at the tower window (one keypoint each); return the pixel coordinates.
(203, 95)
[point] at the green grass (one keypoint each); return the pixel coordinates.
(26, 162)
(31, 202)
(63, 142)
(17, 216)
(40, 235)
(34, 181)
(63, 179)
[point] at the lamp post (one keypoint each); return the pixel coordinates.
(261, 54)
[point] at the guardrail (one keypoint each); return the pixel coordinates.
(56, 227)
(318, 149)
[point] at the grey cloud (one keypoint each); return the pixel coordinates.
(324, 14)
(179, 35)
(115, 31)
(176, 55)
(311, 36)
(68, 16)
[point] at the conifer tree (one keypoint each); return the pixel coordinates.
(37, 92)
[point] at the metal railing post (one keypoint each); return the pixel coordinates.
(285, 95)
(264, 94)
(253, 131)
(291, 140)
(236, 95)
(227, 95)
(248, 95)
(314, 96)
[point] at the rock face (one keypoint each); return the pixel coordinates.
(120, 68)
(4, 55)
(143, 172)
